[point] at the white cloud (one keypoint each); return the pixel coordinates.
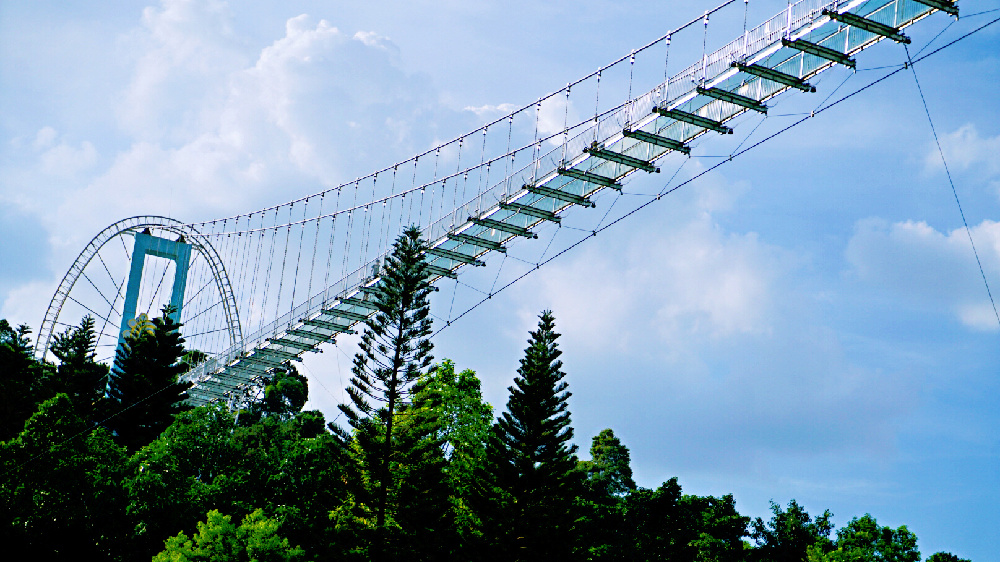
(181, 51)
(492, 111)
(669, 277)
(68, 161)
(211, 126)
(929, 268)
(965, 149)
(216, 130)
(45, 137)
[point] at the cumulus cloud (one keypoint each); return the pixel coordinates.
(929, 268)
(210, 125)
(965, 149)
(216, 127)
(181, 50)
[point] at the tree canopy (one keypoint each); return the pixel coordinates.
(111, 464)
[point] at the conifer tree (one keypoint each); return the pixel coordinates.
(532, 465)
(143, 386)
(395, 350)
(79, 374)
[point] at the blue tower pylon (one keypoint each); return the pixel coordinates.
(146, 244)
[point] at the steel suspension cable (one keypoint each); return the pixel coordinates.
(951, 182)
(668, 190)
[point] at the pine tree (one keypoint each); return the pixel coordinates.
(533, 476)
(400, 462)
(79, 375)
(143, 385)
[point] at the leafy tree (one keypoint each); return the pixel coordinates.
(205, 460)
(864, 540)
(608, 480)
(218, 540)
(60, 492)
(532, 476)
(192, 358)
(715, 529)
(394, 353)
(285, 393)
(79, 375)
(945, 557)
(667, 525)
(789, 534)
(463, 422)
(609, 470)
(22, 379)
(143, 387)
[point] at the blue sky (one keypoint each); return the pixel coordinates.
(807, 321)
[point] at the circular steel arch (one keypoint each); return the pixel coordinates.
(132, 224)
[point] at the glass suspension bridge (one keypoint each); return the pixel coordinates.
(257, 290)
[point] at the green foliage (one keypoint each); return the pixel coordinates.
(463, 424)
(789, 534)
(61, 482)
(393, 457)
(421, 475)
(192, 358)
(23, 381)
(218, 540)
(864, 540)
(945, 557)
(79, 375)
(285, 393)
(205, 460)
(666, 525)
(609, 470)
(531, 475)
(143, 384)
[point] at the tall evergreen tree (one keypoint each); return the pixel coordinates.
(395, 350)
(533, 478)
(79, 374)
(143, 387)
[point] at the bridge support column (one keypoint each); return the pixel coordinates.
(147, 244)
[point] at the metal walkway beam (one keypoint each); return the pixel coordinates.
(477, 241)
(774, 76)
(868, 25)
(441, 271)
(696, 120)
(560, 195)
(820, 51)
(620, 158)
(504, 227)
(658, 140)
(531, 211)
(322, 324)
(589, 177)
(946, 6)
(454, 256)
(730, 97)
